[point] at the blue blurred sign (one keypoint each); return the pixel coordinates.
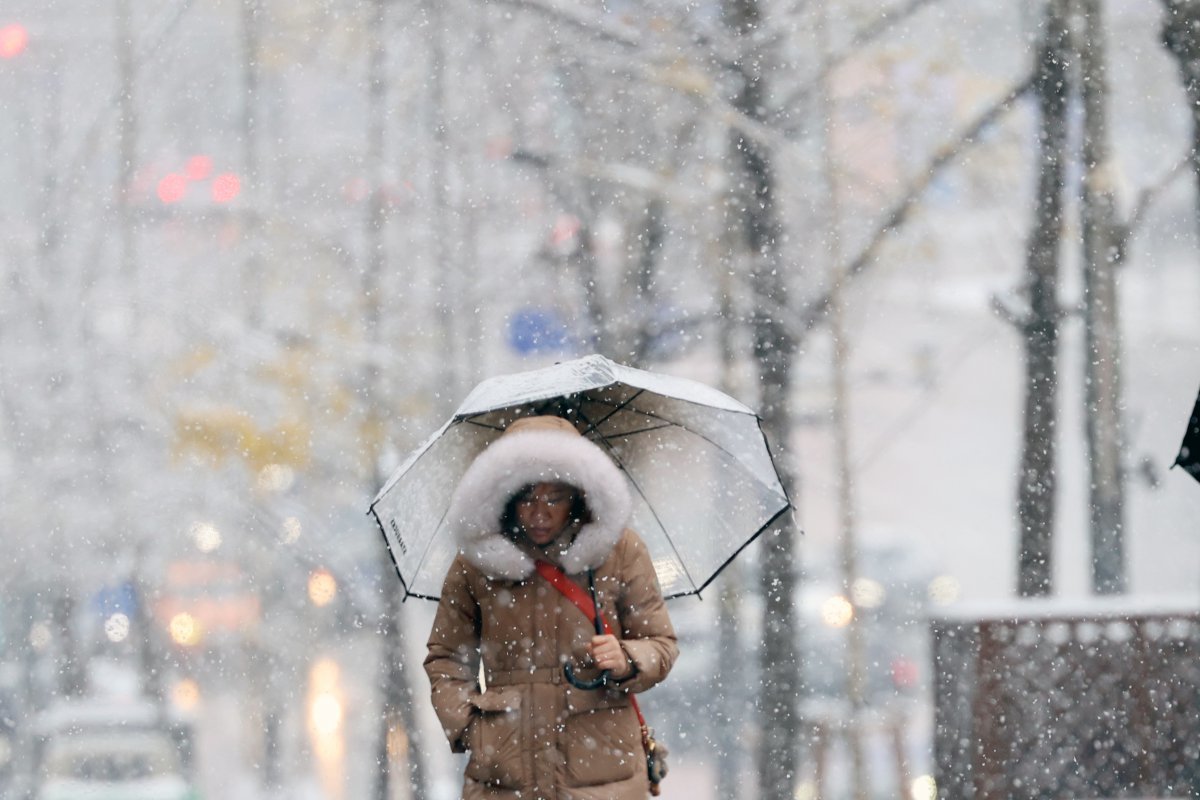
(537, 330)
(110, 600)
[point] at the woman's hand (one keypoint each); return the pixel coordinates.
(608, 654)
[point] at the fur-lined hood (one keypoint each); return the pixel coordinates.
(535, 450)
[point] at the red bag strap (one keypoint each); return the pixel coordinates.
(572, 591)
(575, 593)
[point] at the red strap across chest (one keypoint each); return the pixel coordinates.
(572, 591)
(575, 593)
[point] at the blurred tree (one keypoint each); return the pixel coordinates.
(1181, 36)
(1102, 331)
(398, 720)
(327, 310)
(1040, 325)
(774, 351)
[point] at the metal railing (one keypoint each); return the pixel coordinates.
(1047, 702)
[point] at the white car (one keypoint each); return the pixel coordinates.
(114, 765)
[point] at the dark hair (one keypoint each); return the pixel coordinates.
(580, 512)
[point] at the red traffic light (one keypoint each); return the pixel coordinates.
(14, 39)
(172, 188)
(226, 187)
(199, 168)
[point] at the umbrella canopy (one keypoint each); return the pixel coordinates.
(1189, 451)
(702, 478)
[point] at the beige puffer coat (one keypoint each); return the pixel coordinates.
(531, 735)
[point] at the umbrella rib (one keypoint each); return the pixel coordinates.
(674, 549)
(595, 426)
(637, 431)
(425, 550)
(667, 536)
(429, 544)
(765, 526)
(670, 423)
(732, 457)
(474, 421)
(388, 545)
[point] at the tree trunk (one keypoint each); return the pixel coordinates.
(774, 353)
(1101, 320)
(1036, 488)
(582, 261)
(1181, 35)
(652, 235)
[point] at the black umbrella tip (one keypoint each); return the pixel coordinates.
(1189, 460)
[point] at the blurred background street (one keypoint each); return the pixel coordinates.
(253, 252)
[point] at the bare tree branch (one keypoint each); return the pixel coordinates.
(90, 141)
(1003, 308)
(813, 313)
(1145, 199)
(757, 130)
(861, 39)
(585, 23)
(885, 23)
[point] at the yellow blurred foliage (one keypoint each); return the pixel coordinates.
(195, 361)
(223, 432)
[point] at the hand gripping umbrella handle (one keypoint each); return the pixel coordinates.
(568, 670)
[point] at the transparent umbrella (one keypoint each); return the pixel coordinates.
(702, 478)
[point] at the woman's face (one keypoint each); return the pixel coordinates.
(544, 511)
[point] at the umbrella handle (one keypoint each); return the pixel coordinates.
(568, 670)
(595, 683)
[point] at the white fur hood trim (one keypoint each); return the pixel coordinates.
(516, 460)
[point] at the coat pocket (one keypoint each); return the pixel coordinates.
(603, 739)
(497, 757)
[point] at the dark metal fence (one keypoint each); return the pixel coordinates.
(1048, 704)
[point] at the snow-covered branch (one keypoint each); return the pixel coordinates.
(814, 312)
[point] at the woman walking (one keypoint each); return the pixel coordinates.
(539, 502)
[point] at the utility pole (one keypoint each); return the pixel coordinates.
(1102, 333)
